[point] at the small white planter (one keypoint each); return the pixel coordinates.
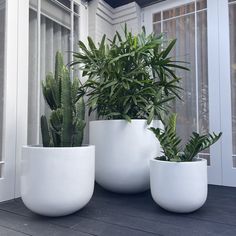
(123, 151)
(179, 186)
(57, 181)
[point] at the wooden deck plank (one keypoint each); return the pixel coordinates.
(34, 226)
(110, 214)
(9, 232)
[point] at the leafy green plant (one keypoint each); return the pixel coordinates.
(66, 122)
(171, 143)
(132, 77)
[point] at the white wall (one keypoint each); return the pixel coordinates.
(103, 19)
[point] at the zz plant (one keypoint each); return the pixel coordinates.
(66, 122)
(171, 143)
(131, 77)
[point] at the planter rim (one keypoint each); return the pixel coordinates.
(198, 160)
(57, 148)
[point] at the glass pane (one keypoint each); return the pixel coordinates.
(156, 17)
(76, 40)
(178, 11)
(65, 2)
(157, 28)
(234, 161)
(32, 84)
(232, 19)
(2, 43)
(76, 8)
(203, 101)
(53, 37)
(193, 110)
(201, 4)
(183, 28)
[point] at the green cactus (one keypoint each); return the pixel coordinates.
(66, 122)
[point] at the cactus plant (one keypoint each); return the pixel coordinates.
(65, 126)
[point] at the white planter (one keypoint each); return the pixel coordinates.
(123, 151)
(179, 186)
(57, 181)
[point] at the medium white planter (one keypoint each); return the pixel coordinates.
(57, 181)
(123, 151)
(179, 186)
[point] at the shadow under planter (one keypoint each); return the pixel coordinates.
(123, 152)
(57, 181)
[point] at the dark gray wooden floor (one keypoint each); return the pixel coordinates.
(112, 214)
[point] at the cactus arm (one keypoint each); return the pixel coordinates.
(79, 123)
(56, 138)
(56, 119)
(48, 89)
(58, 66)
(80, 108)
(78, 132)
(58, 76)
(66, 103)
(47, 142)
(74, 89)
(56, 126)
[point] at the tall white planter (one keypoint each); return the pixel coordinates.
(123, 152)
(179, 186)
(57, 181)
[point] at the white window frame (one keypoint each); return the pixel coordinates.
(228, 171)
(15, 78)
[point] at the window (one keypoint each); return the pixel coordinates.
(2, 42)
(59, 30)
(188, 23)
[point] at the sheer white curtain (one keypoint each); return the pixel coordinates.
(188, 23)
(2, 37)
(54, 36)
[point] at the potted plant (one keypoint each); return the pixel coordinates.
(129, 82)
(179, 177)
(58, 178)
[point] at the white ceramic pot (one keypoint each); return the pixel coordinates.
(179, 186)
(123, 151)
(57, 181)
